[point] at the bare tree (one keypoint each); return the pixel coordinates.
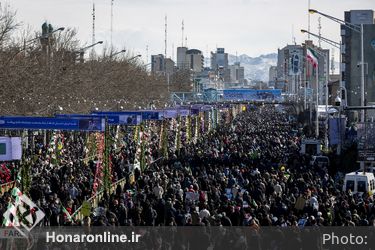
(43, 77)
(8, 24)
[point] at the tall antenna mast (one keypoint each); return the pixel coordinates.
(293, 37)
(146, 54)
(320, 30)
(182, 37)
(308, 16)
(93, 28)
(207, 56)
(93, 22)
(112, 24)
(172, 51)
(165, 37)
(333, 61)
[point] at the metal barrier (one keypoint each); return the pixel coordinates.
(94, 200)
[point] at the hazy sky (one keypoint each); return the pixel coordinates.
(251, 27)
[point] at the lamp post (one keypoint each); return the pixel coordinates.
(82, 50)
(25, 43)
(134, 57)
(42, 36)
(326, 95)
(317, 90)
(359, 29)
(119, 52)
(337, 45)
(342, 106)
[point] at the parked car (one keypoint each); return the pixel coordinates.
(321, 161)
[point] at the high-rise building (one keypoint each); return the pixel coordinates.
(157, 63)
(294, 73)
(351, 56)
(272, 76)
(290, 68)
(182, 61)
(219, 59)
(190, 59)
(169, 66)
(162, 65)
(237, 73)
(195, 60)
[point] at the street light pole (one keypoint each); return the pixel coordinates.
(134, 57)
(359, 29)
(25, 43)
(119, 52)
(337, 45)
(362, 77)
(317, 96)
(317, 103)
(82, 50)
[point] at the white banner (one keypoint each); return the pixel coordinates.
(16, 148)
(10, 148)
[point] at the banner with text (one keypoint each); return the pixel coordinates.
(36, 123)
(252, 94)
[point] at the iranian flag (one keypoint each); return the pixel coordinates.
(312, 58)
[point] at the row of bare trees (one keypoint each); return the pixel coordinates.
(43, 77)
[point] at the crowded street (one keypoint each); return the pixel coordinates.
(248, 172)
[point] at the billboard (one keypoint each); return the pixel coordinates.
(252, 94)
(336, 130)
(184, 112)
(110, 118)
(140, 115)
(130, 119)
(151, 115)
(366, 141)
(295, 62)
(36, 123)
(170, 113)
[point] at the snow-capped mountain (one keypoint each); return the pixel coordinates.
(256, 68)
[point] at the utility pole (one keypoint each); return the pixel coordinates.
(93, 22)
(308, 16)
(146, 54)
(182, 38)
(333, 62)
(173, 51)
(165, 37)
(320, 31)
(93, 28)
(112, 24)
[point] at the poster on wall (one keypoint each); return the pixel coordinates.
(295, 58)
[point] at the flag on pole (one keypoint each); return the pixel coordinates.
(67, 215)
(312, 58)
(12, 208)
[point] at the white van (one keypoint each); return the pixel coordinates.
(359, 182)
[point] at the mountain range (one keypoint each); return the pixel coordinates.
(256, 68)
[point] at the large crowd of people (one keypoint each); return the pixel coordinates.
(248, 172)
